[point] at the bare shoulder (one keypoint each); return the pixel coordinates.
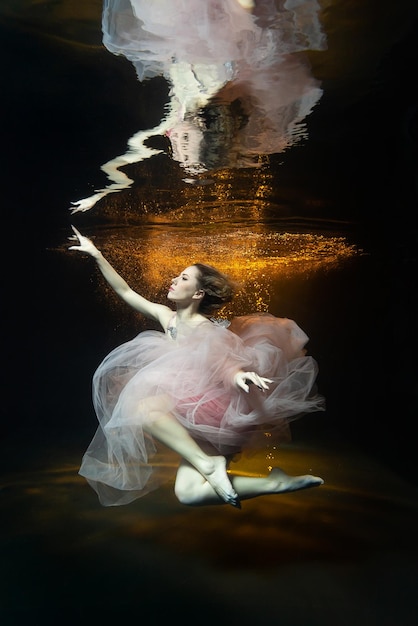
(163, 314)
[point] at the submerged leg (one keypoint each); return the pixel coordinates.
(212, 469)
(275, 482)
(193, 490)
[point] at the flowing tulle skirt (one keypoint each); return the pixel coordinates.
(192, 378)
(153, 35)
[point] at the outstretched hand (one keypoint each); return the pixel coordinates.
(85, 244)
(243, 380)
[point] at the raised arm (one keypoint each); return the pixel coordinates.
(149, 309)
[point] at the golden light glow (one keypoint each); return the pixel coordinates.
(255, 256)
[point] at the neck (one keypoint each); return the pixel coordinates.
(187, 314)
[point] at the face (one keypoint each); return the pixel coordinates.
(185, 287)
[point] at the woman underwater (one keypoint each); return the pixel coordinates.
(200, 388)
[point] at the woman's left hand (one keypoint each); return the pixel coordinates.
(243, 380)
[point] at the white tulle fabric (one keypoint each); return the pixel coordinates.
(153, 35)
(216, 49)
(192, 378)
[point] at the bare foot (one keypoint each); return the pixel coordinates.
(282, 482)
(218, 479)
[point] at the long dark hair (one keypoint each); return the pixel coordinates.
(218, 288)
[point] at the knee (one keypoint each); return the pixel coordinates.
(186, 495)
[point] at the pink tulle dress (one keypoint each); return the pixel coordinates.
(191, 376)
(154, 35)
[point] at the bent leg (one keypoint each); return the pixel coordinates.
(165, 428)
(192, 489)
(275, 482)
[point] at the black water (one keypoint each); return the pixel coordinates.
(342, 554)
